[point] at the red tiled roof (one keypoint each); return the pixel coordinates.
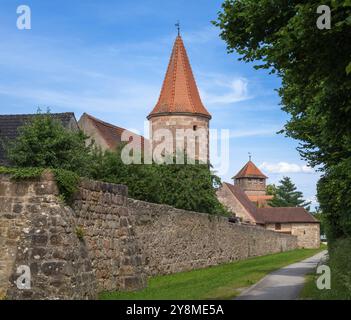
(286, 215)
(271, 215)
(250, 171)
(179, 92)
(111, 133)
(241, 196)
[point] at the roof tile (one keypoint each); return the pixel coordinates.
(286, 215)
(271, 215)
(111, 133)
(250, 171)
(179, 92)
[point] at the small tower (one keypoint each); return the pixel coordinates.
(251, 180)
(179, 105)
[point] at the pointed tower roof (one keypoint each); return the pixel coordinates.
(250, 171)
(179, 92)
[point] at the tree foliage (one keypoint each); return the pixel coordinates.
(186, 186)
(315, 68)
(286, 195)
(45, 143)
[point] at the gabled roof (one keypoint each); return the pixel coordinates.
(271, 215)
(9, 125)
(286, 215)
(241, 196)
(111, 133)
(179, 92)
(250, 171)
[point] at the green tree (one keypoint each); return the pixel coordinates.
(186, 186)
(286, 195)
(315, 68)
(45, 143)
(318, 214)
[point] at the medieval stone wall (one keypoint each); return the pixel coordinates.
(38, 232)
(174, 240)
(70, 254)
(308, 234)
(102, 214)
(107, 242)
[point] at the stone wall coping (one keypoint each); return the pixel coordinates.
(100, 186)
(47, 175)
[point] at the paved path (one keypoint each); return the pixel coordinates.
(283, 284)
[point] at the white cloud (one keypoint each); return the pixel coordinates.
(228, 92)
(285, 167)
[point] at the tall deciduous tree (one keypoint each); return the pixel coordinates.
(315, 68)
(286, 195)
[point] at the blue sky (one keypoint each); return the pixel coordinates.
(108, 58)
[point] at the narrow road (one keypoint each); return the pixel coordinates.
(283, 284)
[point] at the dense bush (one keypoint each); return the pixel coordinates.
(339, 263)
(45, 143)
(334, 194)
(189, 187)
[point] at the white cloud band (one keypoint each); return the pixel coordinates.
(285, 167)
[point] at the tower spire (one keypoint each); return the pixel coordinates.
(178, 27)
(179, 92)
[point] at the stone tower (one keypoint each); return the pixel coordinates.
(253, 182)
(180, 109)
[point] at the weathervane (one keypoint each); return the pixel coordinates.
(250, 156)
(178, 27)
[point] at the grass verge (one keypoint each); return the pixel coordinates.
(340, 267)
(218, 282)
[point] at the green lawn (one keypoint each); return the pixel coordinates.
(340, 284)
(219, 282)
(310, 290)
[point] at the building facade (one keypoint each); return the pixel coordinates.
(248, 201)
(107, 136)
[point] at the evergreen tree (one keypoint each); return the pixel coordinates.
(286, 195)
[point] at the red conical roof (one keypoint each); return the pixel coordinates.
(250, 171)
(179, 92)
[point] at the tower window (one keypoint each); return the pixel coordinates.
(194, 128)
